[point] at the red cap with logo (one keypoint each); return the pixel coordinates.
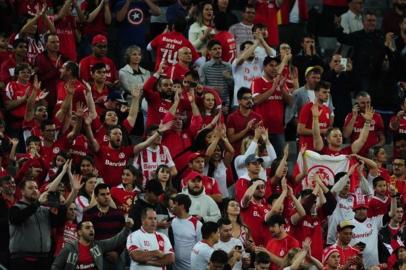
(99, 39)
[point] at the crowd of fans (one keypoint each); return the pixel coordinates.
(155, 134)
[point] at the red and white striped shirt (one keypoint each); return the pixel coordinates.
(149, 159)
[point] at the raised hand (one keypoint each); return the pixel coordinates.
(284, 184)
(80, 109)
(136, 92)
(14, 141)
(286, 151)
(77, 182)
(43, 94)
(369, 113)
(165, 126)
(191, 96)
(264, 134)
(315, 110)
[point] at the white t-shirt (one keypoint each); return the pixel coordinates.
(244, 74)
(343, 211)
(186, 233)
(142, 240)
(200, 256)
(81, 203)
(220, 175)
(228, 246)
(367, 232)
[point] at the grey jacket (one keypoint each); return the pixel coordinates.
(30, 229)
(69, 256)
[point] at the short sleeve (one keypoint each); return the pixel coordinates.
(132, 243)
(168, 246)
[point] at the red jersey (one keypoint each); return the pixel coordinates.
(281, 247)
(266, 13)
(78, 94)
(100, 96)
(286, 72)
(65, 29)
(344, 151)
(346, 253)
(48, 153)
(306, 118)
(253, 215)
(16, 90)
(123, 198)
(238, 122)
(402, 125)
(310, 226)
(78, 148)
(110, 162)
(86, 64)
(374, 130)
(228, 45)
(176, 71)
(273, 118)
(167, 45)
(243, 184)
(85, 258)
(65, 235)
(378, 206)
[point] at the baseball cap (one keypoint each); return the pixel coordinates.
(192, 175)
(253, 158)
(360, 202)
(154, 186)
(99, 39)
(194, 155)
(327, 252)
(116, 96)
(309, 69)
(345, 224)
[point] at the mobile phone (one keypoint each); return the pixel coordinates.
(343, 63)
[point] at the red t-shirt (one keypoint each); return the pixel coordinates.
(266, 13)
(254, 217)
(85, 260)
(85, 66)
(65, 28)
(281, 247)
(110, 162)
(239, 122)
(346, 253)
(79, 148)
(273, 118)
(377, 206)
(7, 70)
(100, 130)
(78, 94)
(49, 153)
(167, 45)
(374, 130)
(306, 118)
(64, 235)
(228, 45)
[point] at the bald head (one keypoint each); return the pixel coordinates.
(185, 55)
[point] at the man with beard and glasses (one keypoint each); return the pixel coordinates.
(246, 67)
(203, 206)
(243, 121)
(111, 159)
(86, 253)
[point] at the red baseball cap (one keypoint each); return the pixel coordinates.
(194, 155)
(99, 39)
(360, 202)
(192, 175)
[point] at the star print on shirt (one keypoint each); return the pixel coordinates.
(135, 16)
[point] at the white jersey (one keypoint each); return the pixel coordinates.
(367, 232)
(228, 246)
(343, 211)
(149, 159)
(244, 74)
(200, 256)
(142, 240)
(81, 204)
(186, 233)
